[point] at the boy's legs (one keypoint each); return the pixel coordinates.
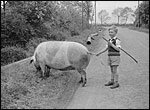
(112, 77)
(113, 62)
(112, 74)
(115, 75)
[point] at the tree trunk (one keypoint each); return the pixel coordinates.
(126, 20)
(87, 19)
(95, 15)
(88, 14)
(118, 19)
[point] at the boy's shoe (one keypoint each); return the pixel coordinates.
(109, 83)
(115, 85)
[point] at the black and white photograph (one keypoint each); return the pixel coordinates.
(74, 54)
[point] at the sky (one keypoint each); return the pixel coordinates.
(109, 6)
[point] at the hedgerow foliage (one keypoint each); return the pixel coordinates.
(30, 22)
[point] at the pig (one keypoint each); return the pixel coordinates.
(62, 55)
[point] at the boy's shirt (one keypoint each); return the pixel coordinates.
(117, 42)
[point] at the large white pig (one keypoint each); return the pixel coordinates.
(61, 55)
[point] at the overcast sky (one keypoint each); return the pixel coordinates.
(109, 6)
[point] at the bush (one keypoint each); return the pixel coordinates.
(75, 33)
(32, 44)
(12, 54)
(59, 35)
(74, 29)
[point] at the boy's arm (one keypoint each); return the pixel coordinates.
(102, 51)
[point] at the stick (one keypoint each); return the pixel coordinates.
(129, 55)
(123, 51)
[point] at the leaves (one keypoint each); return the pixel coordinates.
(127, 13)
(103, 16)
(23, 20)
(142, 14)
(117, 12)
(124, 14)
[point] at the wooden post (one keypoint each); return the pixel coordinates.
(82, 15)
(95, 14)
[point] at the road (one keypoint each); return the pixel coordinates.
(133, 92)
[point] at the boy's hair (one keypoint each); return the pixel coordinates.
(114, 28)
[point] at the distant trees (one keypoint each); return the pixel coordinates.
(117, 12)
(103, 15)
(124, 14)
(140, 16)
(127, 13)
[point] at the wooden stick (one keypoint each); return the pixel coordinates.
(124, 51)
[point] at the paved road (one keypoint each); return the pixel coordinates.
(133, 92)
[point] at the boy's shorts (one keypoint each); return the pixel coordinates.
(113, 60)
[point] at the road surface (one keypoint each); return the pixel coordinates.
(133, 92)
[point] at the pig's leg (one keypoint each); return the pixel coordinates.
(47, 71)
(43, 68)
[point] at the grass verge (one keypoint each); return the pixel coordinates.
(145, 30)
(21, 87)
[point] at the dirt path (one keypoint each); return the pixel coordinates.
(133, 92)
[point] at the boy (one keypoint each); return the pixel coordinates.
(113, 56)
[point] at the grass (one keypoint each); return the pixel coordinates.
(141, 29)
(21, 87)
(145, 30)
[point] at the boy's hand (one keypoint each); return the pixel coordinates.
(109, 43)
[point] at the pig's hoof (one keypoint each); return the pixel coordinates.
(84, 85)
(47, 75)
(43, 77)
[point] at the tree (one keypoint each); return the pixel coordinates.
(23, 20)
(87, 10)
(70, 15)
(143, 12)
(103, 16)
(117, 12)
(127, 13)
(91, 16)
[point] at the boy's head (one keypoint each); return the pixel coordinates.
(112, 31)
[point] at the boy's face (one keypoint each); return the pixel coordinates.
(112, 33)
